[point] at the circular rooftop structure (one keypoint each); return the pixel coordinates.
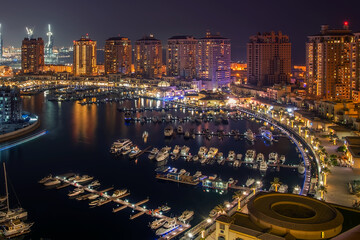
(163, 84)
(302, 217)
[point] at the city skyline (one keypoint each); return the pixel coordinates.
(236, 21)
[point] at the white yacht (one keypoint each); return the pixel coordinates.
(95, 183)
(231, 156)
(283, 188)
(153, 153)
(157, 223)
(260, 157)
(93, 196)
(84, 178)
(119, 145)
(52, 182)
(180, 130)
(163, 230)
(162, 155)
(45, 179)
(202, 151)
(250, 156)
(301, 168)
(76, 192)
(231, 181)
(297, 189)
(186, 215)
(239, 157)
(182, 171)
(249, 182)
(212, 152)
(15, 228)
(282, 159)
(263, 166)
(273, 158)
(197, 174)
(134, 152)
(168, 131)
(176, 150)
(170, 223)
(236, 163)
(249, 135)
(119, 193)
(184, 151)
(145, 134)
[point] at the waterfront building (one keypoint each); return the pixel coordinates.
(283, 216)
(10, 105)
(118, 55)
(32, 55)
(181, 57)
(238, 73)
(213, 59)
(332, 62)
(148, 57)
(84, 57)
(269, 59)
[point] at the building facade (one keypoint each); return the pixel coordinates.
(32, 55)
(269, 59)
(148, 57)
(181, 57)
(213, 59)
(10, 105)
(1, 43)
(118, 55)
(84, 57)
(331, 73)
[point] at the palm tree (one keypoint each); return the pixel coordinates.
(221, 209)
(276, 183)
(238, 196)
(325, 171)
(322, 189)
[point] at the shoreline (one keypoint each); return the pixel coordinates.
(20, 132)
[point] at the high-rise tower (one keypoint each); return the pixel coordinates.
(148, 57)
(85, 57)
(50, 58)
(118, 55)
(32, 55)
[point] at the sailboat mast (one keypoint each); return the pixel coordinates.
(6, 187)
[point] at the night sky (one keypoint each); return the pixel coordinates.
(236, 19)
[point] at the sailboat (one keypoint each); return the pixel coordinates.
(11, 214)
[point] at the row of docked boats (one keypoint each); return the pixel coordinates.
(164, 226)
(126, 147)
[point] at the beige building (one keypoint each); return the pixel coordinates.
(181, 57)
(269, 59)
(332, 62)
(118, 55)
(84, 57)
(148, 57)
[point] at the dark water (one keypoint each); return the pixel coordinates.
(78, 141)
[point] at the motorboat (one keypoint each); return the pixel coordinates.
(134, 152)
(15, 228)
(95, 183)
(267, 135)
(45, 179)
(231, 156)
(52, 182)
(76, 192)
(153, 153)
(12, 214)
(84, 178)
(250, 156)
(93, 196)
(231, 181)
(301, 168)
(212, 152)
(119, 193)
(282, 159)
(157, 223)
(186, 215)
(170, 223)
(283, 188)
(260, 157)
(202, 151)
(163, 154)
(263, 166)
(249, 182)
(239, 157)
(180, 130)
(187, 134)
(182, 171)
(197, 174)
(165, 208)
(145, 134)
(296, 190)
(168, 131)
(176, 150)
(163, 231)
(184, 151)
(273, 158)
(236, 163)
(249, 135)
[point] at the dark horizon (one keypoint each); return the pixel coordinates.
(233, 19)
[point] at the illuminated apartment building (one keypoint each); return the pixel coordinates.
(269, 59)
(355, 68)
(32, 55)
(213, 59)
(181, 56)
(118, 55)
(330, 64)
(148, 57)
(84, 57)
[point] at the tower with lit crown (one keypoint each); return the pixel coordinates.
(118, 55)
(85, 57)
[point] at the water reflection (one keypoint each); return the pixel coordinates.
(84, 121)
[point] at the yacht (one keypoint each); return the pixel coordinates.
(187, 134)
(145, 134)
(213, 213)
(239, 157)
(195, 158)
(297, 189)
(153, 153)
(15, 228)
(97, 201)
(197, 174)
(267, 135)
(249, 135)
(202, 151)
(249, 182)
(52, 182)
(263, 166)
(95, 183)
(212, 152)
(231, 156)
(182, 171)
(283, 188)
(163, 231)
(45, 179)
(301, 168)
(84, 178)
(134, 152)
(176, 150)
(170, 223)
(76, 192)
(93, 196)
(165, 208)
(186, 215)
(184, 151)
(282, 159)
(231, 181)
(250, 156)
(168, 131)
(162, 155)
(236, 163)
(127, 149)
(180, 130)
(119, 193)
(157, 223)
(273, 158)
(260, 157)
(119, 145)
